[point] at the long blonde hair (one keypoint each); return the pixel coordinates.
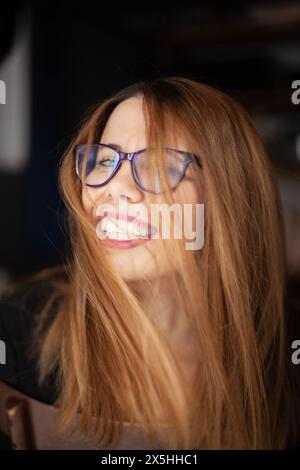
(114, 363)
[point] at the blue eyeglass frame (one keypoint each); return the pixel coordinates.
(130, 156)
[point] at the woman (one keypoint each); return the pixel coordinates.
(145, 328)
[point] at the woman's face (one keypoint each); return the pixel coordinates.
(136, 257)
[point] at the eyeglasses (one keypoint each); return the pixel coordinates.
(104, 161)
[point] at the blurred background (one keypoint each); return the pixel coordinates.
(57, 60)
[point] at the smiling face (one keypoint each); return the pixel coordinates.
(130, 246)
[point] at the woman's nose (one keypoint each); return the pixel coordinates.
(122, 184)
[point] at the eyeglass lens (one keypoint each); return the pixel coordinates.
(102, 162)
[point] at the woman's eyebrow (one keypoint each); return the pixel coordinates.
(116, 146)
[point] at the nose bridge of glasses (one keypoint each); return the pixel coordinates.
(122, 157)
(126, 155)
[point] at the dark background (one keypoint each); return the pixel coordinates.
(80, 53)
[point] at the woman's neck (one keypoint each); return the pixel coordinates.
(162, 304)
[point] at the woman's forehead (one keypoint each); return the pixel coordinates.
(126, 127)
(126, 124)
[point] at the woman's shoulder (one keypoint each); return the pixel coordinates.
(20, 306)
(30, 293)
(23, 300)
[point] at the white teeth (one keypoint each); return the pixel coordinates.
(143, 231)
(120, 236)
(108, 226)
(121, 229)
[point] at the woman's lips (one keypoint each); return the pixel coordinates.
(128, 218)
(134, 236)
(123, 244)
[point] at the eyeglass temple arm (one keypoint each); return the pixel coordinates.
(195, 158)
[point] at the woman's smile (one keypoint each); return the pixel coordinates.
(117, 230)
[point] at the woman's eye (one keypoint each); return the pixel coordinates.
(107, 162)
(172, 169)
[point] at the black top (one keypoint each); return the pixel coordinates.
(18, 313)
(17, 321)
